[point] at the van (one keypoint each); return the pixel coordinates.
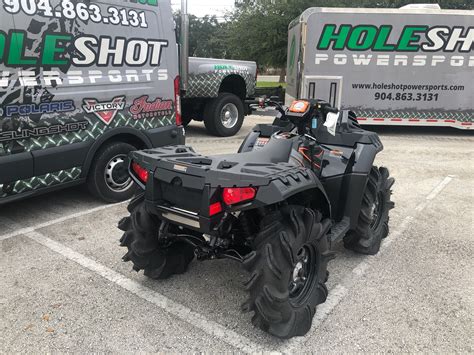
(81, 85)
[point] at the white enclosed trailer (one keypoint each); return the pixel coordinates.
(409, 66)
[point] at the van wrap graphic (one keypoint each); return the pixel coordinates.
(95, 130)
(39, 182)
(42, 58)
(105, 111)
(57, 53)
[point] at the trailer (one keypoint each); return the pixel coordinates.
(410, 66)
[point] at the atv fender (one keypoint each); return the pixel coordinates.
(301, 188)
(357, 181)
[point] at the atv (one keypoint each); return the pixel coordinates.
(295, 188)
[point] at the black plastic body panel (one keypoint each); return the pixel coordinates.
(16, 167)
(60, 158)
(186, 180)
(348, 133)
(197, 179)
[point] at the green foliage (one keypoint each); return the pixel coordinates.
(257, 30)
(270, 84)
(207, 37)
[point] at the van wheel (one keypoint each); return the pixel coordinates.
(108, 178)
(224, 115)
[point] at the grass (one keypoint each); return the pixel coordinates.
(269, 84)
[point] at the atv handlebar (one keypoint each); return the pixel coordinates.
(266, 102)
(317, 109)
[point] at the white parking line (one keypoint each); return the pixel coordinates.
(186, 314)
(26, 230)
(240, 342)
(340, 291)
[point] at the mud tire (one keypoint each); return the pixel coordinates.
(271, 265)
(144, 251)
(367, 237)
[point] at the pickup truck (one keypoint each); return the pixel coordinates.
(216, 94)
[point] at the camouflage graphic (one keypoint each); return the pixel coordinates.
(69, 74)
(39, 182)
(16, 94)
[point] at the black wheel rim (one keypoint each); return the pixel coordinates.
(377, 211)
(302, 275)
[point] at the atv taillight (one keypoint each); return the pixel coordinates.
(234, 195)
(141, 173)
(215, 208)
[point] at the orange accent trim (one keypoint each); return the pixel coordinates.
(299, 106)
(302, 152)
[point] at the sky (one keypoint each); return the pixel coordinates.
(201, 8)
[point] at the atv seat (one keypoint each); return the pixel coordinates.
(275, 151)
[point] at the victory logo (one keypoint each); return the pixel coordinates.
(105, 111)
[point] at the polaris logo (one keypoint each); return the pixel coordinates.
(38, 109)
(105, 111)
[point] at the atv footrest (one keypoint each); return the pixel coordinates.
(339, 230)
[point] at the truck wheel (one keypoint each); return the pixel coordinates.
(288, 270)
(144, 251)
(373, 219)
(108, 177)
(224, 115)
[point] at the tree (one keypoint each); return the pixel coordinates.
(206, 36)
(258, 31)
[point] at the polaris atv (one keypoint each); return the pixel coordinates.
(295, 188)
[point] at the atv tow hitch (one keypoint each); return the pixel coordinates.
(209, 250)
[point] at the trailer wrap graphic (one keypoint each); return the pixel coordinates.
(392, 67)
(58, 52)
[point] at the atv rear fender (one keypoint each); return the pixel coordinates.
(308, 192)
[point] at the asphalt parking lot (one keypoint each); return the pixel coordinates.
(65, 288)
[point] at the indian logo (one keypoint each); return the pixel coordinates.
(141, 108)
(105, 111)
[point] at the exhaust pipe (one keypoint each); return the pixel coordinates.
(184, 45)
